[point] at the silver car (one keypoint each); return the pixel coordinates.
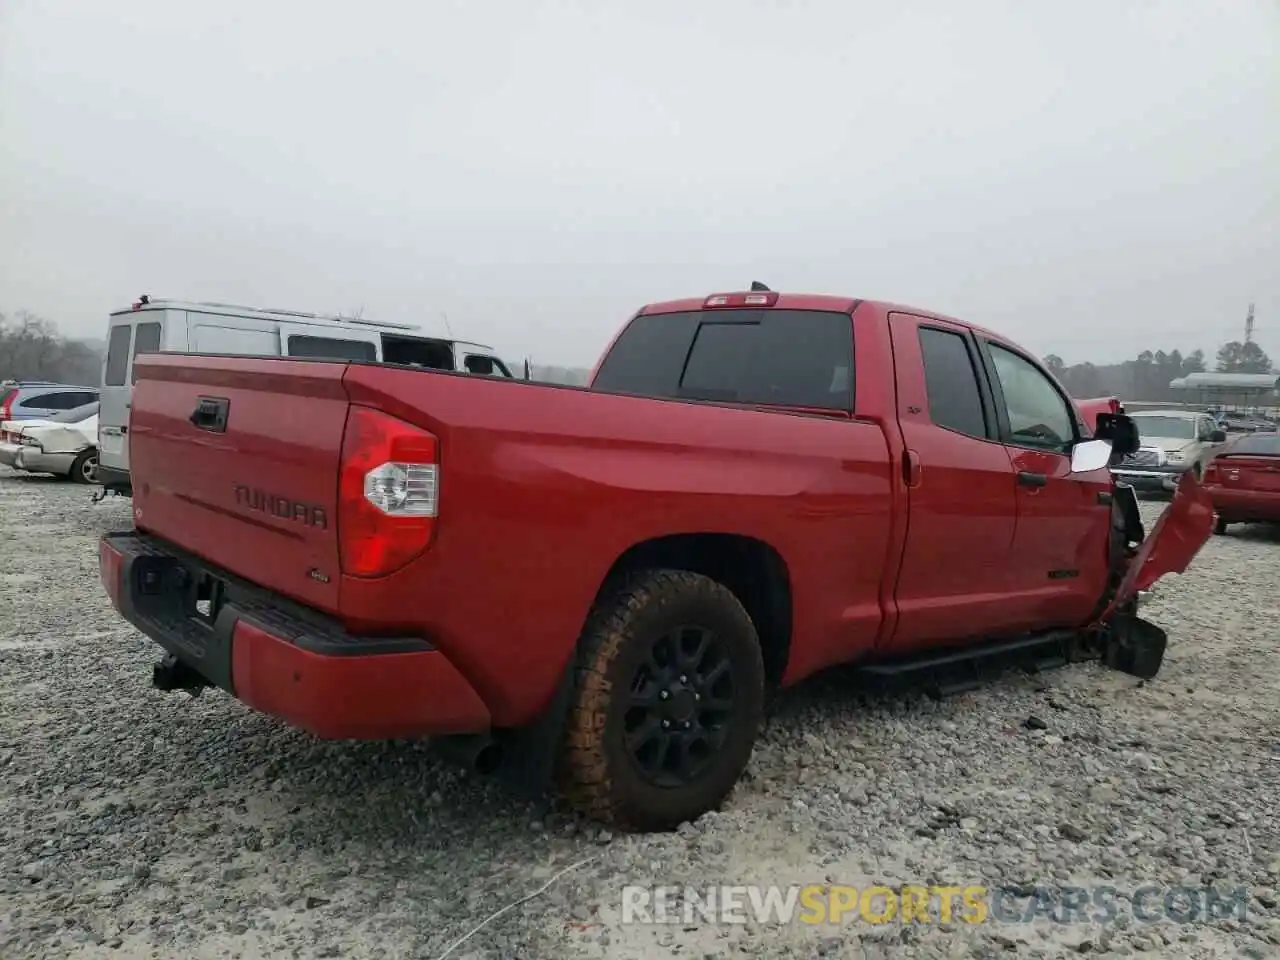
(37, 400)
(1173, 442)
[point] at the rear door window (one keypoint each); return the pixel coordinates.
(799, 358)
(331, 348)
(951, 381)
(146, 339)
(117, 369)
(57, 400)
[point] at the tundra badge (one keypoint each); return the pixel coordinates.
(262, 501)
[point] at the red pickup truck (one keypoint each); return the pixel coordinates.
(602, 583)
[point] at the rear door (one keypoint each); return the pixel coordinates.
(954, 576)
(129, 334)
(1059, 558)
(238, 460)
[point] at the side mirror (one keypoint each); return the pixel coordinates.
(1218, 436)
(1120, 430)
(1090, 455)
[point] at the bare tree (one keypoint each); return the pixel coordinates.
(32, 349)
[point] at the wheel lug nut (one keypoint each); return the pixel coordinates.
(683, 678)
(664, 694)
(697, 697)
(688, 724)
(666, 724)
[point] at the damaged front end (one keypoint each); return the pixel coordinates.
(1119, 637)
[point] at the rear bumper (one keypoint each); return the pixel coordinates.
(1235, 506)
(35, 460)
(283, 659)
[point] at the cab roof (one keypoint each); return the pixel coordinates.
(760, 298)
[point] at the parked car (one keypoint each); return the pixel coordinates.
(1243, 482)
(1090, 409)
(1173, 442)
(39, 400)
(64, 444)
(151, 326)
(604, 581)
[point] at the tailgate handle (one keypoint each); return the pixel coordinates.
(211, 414)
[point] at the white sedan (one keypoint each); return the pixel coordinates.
(65, 445)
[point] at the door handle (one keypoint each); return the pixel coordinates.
(911, 469)
(211, 414)
(1027, 479)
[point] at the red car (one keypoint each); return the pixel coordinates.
(1090, 409)
(1243, 481)
(604, 582)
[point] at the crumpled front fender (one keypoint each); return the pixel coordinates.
(1172, 544)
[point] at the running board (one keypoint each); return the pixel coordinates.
(956, 670)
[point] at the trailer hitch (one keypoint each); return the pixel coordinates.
(172, 674)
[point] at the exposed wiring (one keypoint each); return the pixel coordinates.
(511, 906)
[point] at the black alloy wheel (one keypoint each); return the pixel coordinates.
(679, 706)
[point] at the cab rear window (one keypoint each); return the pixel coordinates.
(799, 358)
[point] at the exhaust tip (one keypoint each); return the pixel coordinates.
(488, 760)
(480, 753)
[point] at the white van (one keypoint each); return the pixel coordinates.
(175, 326)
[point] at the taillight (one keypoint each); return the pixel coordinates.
(388, 493)
(6, 408)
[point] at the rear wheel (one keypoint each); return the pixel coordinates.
(1219, 526)
(670, 692)
(85, 469)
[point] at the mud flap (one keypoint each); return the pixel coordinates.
(530, 754)
(1134, 646)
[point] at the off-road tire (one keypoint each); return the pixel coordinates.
(598, 775)
(1219, 526)
(78, 472)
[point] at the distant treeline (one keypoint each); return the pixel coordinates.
(1147, 376)
(32, 349)
(576, 376)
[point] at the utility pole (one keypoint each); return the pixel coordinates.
(1248, 325)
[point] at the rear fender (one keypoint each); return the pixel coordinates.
(61, 440)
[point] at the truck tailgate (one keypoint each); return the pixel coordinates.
(236, 460)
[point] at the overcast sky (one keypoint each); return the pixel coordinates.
(1091, 178)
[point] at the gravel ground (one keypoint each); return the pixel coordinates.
(140, 824)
